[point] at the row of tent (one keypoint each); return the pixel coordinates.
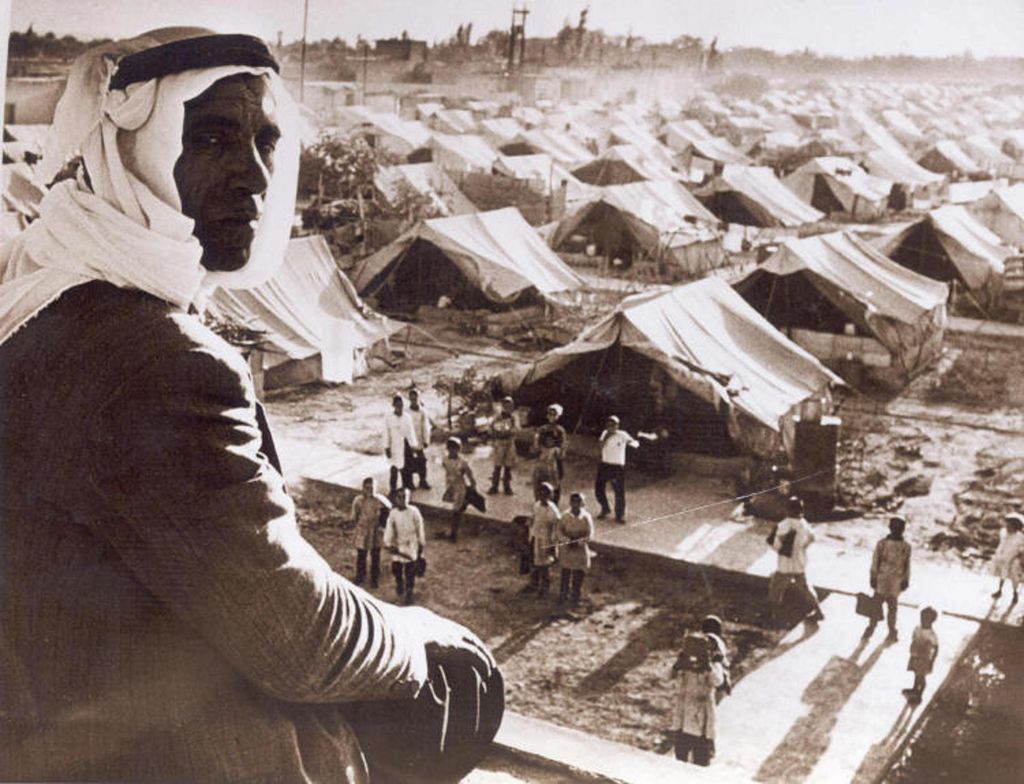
(738, 361)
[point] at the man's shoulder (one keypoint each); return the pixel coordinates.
(133, 322)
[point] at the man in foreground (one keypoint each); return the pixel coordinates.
(162, 617)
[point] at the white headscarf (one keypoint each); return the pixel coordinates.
(128, 228)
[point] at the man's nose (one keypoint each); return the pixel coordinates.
(250, 171)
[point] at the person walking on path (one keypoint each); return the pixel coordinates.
(458, 478)
(399, 439)
(575, 530)
(503, 441)
(1007, 561)
(543, 541)
(701, 671)
(613, 468)
(369, 513)
(924, 647)
(890, 575)
(791, 540)
(405, 539)
(417, 457)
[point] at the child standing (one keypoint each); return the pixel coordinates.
(458, 478)
(503, 440)
(421, 429)
(546, 471)
(1006, 563)
(924, 647)
(369, 513)
(551, 438)
(404, 538)
(575, 529)
(543, 533)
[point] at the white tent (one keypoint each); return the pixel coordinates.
(461, 153)
(1002, 211)
(713, 345)
(426, 179)
(833, 184)
(315, 325)
(949, 244)
(487, 257)
(662, 217)
(753, 195)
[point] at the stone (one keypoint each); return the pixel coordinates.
(914, 485)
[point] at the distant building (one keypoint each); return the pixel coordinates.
(404, 49)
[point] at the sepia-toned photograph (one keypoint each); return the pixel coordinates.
(512, 391)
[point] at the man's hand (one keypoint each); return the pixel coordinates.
(387, 453)
(449, 643)
(904, 585)
(874, 584)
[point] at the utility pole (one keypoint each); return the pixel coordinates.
(302, 56)
(517, 30)
(366, 56)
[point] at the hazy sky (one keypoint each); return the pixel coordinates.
(845, 27)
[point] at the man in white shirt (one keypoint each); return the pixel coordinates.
(399, 437)
(613, 468)
(405, 539)
(417, 458)
(791, 539)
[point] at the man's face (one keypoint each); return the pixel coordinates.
(552, 416)
(227, 158)
(398, 405)
(613, 426)
(401, 499)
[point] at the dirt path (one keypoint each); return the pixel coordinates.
(947, 453)
(559, 665)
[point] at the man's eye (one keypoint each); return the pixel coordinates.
(207, 141)
(267, 146)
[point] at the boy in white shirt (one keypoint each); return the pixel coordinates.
(399, 439)
(421, 429)
(613, 468)
(405, 539)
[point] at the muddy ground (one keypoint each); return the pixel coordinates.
(973, 729)
(947, 452)
(556, 661)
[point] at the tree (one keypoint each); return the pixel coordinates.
(338, 178)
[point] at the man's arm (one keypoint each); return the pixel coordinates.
(204, 523)
(421, 536)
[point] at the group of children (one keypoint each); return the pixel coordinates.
(391, 524)
(562, 538)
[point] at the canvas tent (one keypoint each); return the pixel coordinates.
(833, 184)
(392, 134)
(622, 164)
(949, 244)
(499, 130)
(660, 220)
(562, 147)
(839, 297)
(694, 144)
(544, 174)
(315, 326)
(899, 167)
(482, 260)
(754, 196)
(946, 157)
(694, 359)
(428, 180)
(1002, 211)
(458, 154)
